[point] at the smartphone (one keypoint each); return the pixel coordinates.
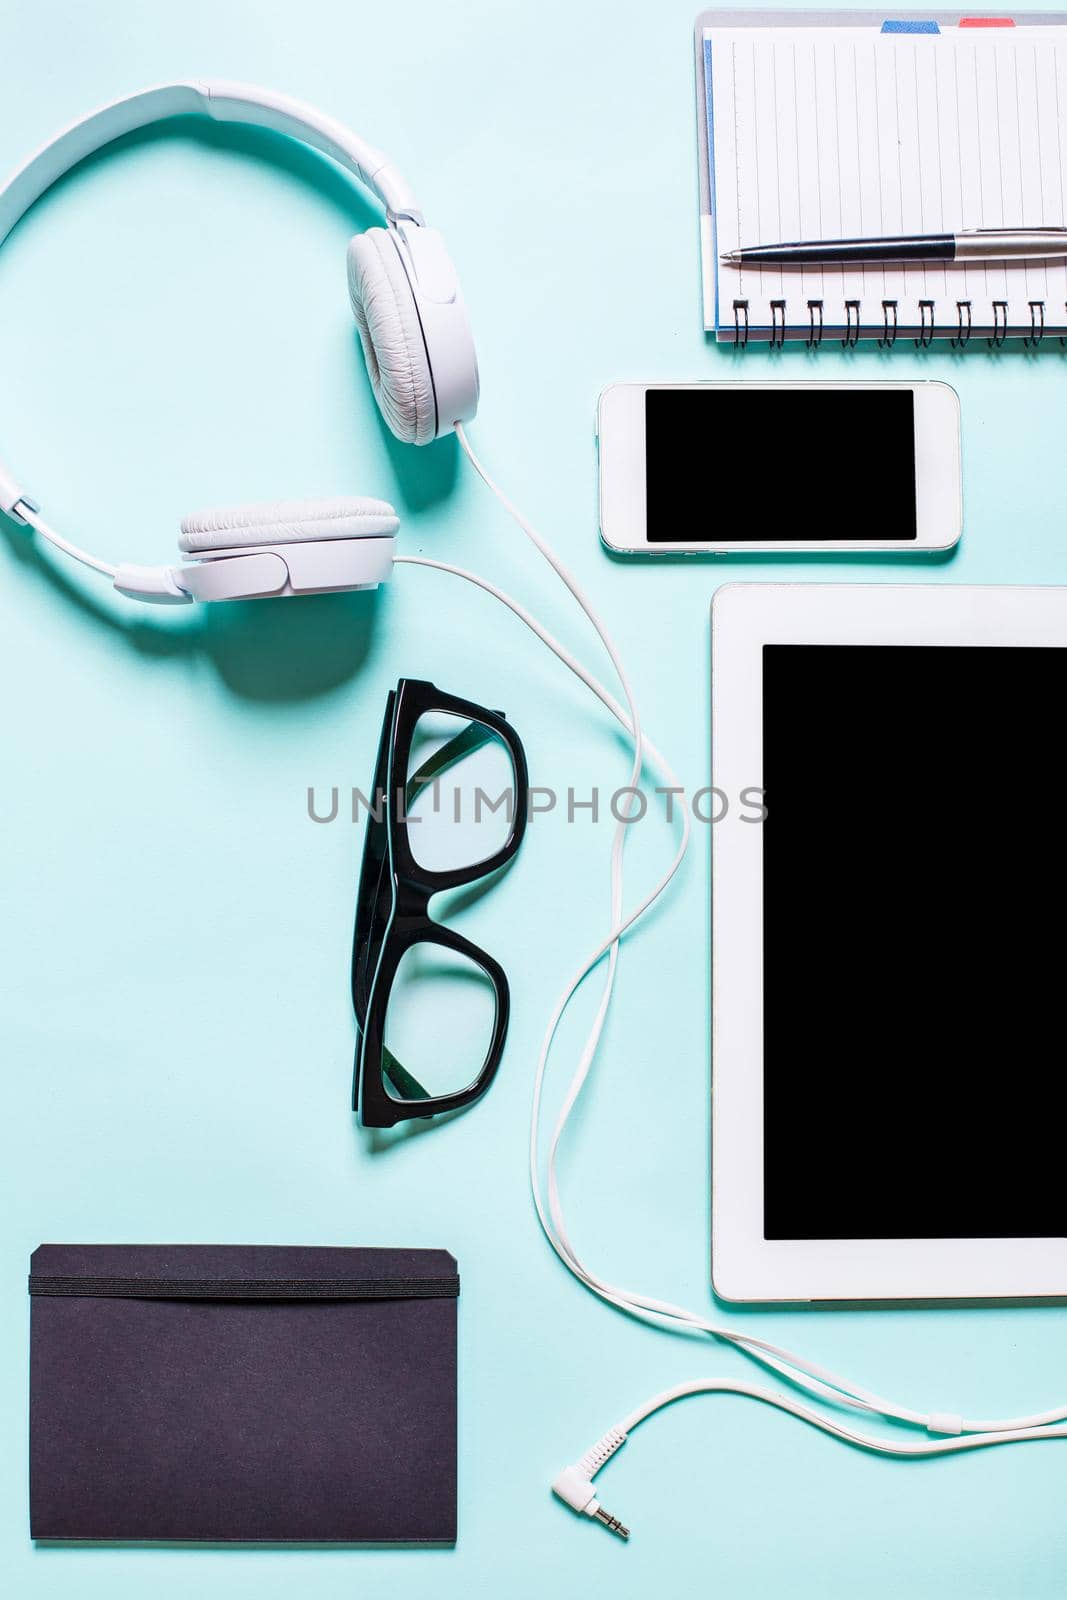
(719, 468)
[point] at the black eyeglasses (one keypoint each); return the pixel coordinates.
(432, 1007)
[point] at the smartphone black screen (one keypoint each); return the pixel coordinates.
(745, 464)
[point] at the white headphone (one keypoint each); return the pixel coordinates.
(415, 335)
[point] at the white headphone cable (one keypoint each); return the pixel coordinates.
(620, 925)
(574, 1485)
(24, 511)
(797, 1369)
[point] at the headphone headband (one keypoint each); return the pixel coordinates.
(223, 102)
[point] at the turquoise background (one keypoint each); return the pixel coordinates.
(176, 1023)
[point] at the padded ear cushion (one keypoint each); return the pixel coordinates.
(389, 329)
(286, 522)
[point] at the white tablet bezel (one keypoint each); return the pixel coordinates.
(622, 493)
(745, 1265)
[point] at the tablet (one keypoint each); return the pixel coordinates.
(889, 1078)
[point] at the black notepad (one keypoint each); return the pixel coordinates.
(243, 1393)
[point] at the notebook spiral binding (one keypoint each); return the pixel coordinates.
(1037, 325)
(890, 324)
(777, 324)
(925, 336)
(962, 337)
(814, 331)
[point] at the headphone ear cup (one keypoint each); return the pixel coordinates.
(391, 334)
(279, 522)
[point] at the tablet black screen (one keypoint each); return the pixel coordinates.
(915, 892)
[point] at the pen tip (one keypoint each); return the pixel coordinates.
(730, 256)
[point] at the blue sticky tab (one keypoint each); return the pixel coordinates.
(905, 26)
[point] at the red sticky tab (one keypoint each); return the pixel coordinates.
(987, 22)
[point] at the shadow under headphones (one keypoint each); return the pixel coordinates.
(412, 324)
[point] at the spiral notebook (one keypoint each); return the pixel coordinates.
(822, 125)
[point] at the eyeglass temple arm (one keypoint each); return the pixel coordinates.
(472, 738)
(407, 1087)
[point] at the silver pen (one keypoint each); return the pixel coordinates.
(968, 247)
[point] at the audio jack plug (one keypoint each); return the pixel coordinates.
(574, 1486)
(611, 1523)
(576, 1491)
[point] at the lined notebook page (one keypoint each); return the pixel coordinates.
(848, 132)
